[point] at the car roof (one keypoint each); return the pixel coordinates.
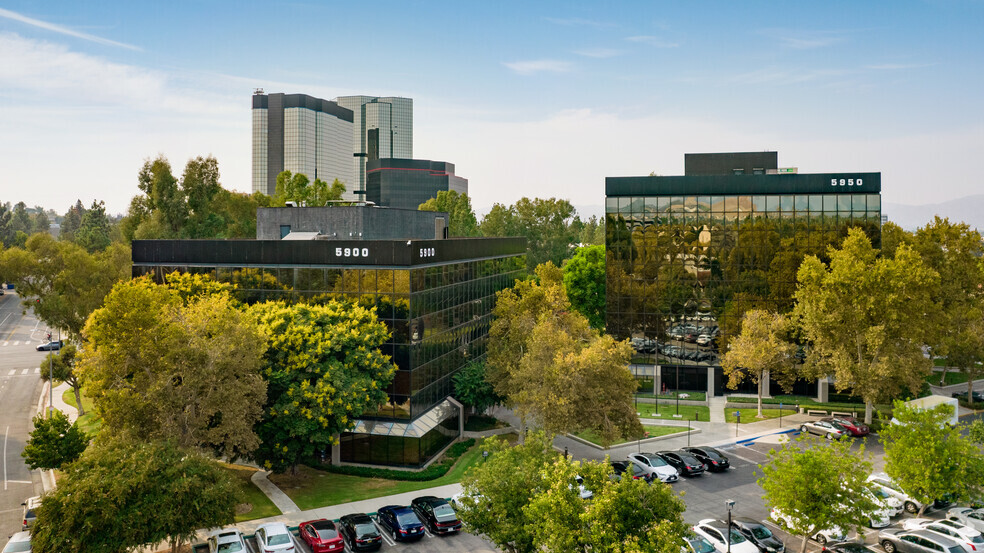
(19, 537)
(321, 524)
(746, 520)
(714, 523)
(356, 518)
(430, 499)
(274, 528)
(395, 509)
(929, 535)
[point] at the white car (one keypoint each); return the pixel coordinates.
(19, 543)
(822, 536)
(651, 463)
(716, 532)
(704, 339)
(581, 490)
(887, 501)
(883, 516)
(970, 517)
(274, 536)
(458, 500)
(885, 483)
(226, 541)
(970, 539)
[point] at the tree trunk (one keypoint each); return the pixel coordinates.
(522, 430)
(943, 376)
(760, 415)
(922, 510)
(970, 390)
(78, 399)
(868, 408)
(806, 540)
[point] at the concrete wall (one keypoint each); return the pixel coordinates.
(350, 222)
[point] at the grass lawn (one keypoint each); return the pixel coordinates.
(260, 504)
(652, 430)
(952, 377)
(748, 415)
(668, 408)
(691, 396)
(90, 423)
(312, 488)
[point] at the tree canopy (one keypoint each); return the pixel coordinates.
(473, 389)
(458, 207)
(60, 366)
(761, 348)
(584, 281)
(297, 187)
(547, 224)
(54, 442)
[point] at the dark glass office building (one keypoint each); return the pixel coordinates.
(407, 183)
(688, 255)
(435, 296)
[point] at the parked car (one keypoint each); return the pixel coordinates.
(18, 543)
(53, 345)
(359, 532)
(582, 491)
(825, 428)
(632, 469)
(967, 537)
(970, 517)
(823, 537)
(911, 505)
(714, 460)
(853, 426)
(401, 522)
(848, 547)
(274, 536)
(717, 532)
(436, 514)
(654, 464)
(226, 540)
(887, 501)
(30, 507)
(976, 396)
(321, 535)
(916, 541)
(461, 501)
(696, 544)
(759, 534)
(684, 462)
(704, 339)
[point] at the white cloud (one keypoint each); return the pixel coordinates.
(531, 67)
(599, 53)
(63, 30)
(652, 41)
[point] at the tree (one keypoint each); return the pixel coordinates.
(324, 370)
(471, 387)
(623, 516)
(458, 207)
(320, 193)
(291, 187)
(62, 369)
(7, 234)
(817, 487)
(930, 459)
(552, 368)
(498, 492)
(548, 226)
(953, 250)
(761, 351)
(164, 199)
(123, 495)
(71, 222)
(94, 229)
(54, 442)
(60, 281)
(161, 369)
(584, 280)
(857, 315)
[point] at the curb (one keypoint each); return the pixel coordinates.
(624, 444)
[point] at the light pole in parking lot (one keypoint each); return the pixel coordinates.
(730, 503)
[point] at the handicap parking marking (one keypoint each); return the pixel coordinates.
(299, 543)
(732, 453)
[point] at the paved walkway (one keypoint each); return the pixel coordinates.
(716, 405)
(279, 498)
(59, 402)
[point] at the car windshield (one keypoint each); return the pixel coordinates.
(657, 461)
(761, 532)
(278, 539)
(700, 545)
(407, 518)
(736, 536)
(956, 549)
(713, 454)
(17, 547)
(230, 547)
(444, 511)
(890, 485)
(977, 539)
(880, 493)
(366, 530)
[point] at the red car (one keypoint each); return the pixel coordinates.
(321, 535)
(853, 426)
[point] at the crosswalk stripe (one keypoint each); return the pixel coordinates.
(5, 343)
(12, 371)
(25, 371)
(37, 370)
(17, 343)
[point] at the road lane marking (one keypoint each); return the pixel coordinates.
(20, 481)
(17, 343)
(25, 371)
(382, 534)
(5, 432)
(12, 371)
(746, 459)
(37, 370)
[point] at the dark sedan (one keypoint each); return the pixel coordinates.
(759, 534)
(686, 463)
(436, 514)
(401, 522)
(628, 468)
(976, 396)
(712, 458)
(853, 426)
(359, 532)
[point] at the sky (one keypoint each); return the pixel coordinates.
(525, 98)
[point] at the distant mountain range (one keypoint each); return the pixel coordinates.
(969, 209)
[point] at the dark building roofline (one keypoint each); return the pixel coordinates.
(802, 183)
(261, 101)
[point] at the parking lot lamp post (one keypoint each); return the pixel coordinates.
(730, 503)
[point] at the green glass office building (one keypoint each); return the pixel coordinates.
(688, 255)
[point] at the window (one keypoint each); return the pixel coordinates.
(284, 231)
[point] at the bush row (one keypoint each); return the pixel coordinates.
(434, 471)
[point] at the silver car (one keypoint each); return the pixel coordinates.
(968, 538)
(969, 517)
(650, 463)
(917, 541)
(827, 429)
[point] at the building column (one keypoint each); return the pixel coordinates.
(823, 389)
(657, 380)
(710, 381)
(336, 450)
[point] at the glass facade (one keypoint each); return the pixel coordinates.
(383, 129)
(686, 257)
(407, 183)
(438, 314)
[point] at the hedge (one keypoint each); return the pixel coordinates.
(433, 472)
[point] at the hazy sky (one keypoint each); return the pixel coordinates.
(526, 98)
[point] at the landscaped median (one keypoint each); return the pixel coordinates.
(593, 438)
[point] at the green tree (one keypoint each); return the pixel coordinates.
(320, 193)
(123, 495)
(60, 281)
(61, 367)
(71, 222)
(930, 459)
(498, 492)
(160, 369)
(623, 516)
(164, 199)
(818, 487)
(54, 442)
(238, 212)
(472, 389)
(547, 225)
(324, 369)
(857, 315)
(761, 351)
(200, 185)
(291, 187)
(584, 280)
(94, 229)
(458, 207)
(40, 222)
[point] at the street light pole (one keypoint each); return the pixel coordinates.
(730, 503)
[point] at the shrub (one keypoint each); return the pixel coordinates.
(433, 472)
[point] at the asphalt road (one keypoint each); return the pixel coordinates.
(20, 385)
